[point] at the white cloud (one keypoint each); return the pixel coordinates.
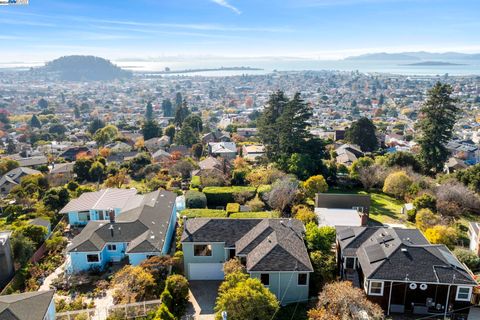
(226, 4)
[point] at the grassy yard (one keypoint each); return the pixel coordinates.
(384, 208)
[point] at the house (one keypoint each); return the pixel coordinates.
(402, 272)
(31, 161)
(226, 150)
(465, 150)
(99, 204)
(120, 157)
(253, 152)
(247, 132)
(41, 222)
(474, 236)
(348, 153)
(340, 217)
(7, 269)
(453, 164)
(161, 156)
(215, 136)
(359, 202)
(155, 144)
(142, 229)
(37, 305)
(272, 250)
(61, 173)
(71, 153)
(119, 146)
(13, 178)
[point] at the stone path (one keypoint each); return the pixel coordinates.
(49, 279)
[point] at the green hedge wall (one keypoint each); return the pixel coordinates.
(221, 196)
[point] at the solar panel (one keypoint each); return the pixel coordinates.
(375, 253)
(346, 234)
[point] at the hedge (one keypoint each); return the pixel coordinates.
(204, 213)
(252, 215)
(195, 199)
(233, 208)
(196, 182)
(263, 189)
(221, 196)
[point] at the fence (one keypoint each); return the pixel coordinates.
(123, 311)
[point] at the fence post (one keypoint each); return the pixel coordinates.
(144, 308)
(126, 315)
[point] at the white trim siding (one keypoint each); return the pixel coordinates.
(469, 293)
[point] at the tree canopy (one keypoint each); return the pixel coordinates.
(362, 133)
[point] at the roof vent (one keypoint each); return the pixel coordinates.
(404, 250)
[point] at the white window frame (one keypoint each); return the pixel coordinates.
(370, 293)
(110, 245)
(470, 289)
(92, 254)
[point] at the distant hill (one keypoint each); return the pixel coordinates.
(84, 68)
(412, 56)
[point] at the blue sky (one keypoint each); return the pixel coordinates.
(321, 29)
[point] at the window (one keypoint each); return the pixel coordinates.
(202, 250)
(83, 216)
(93, 258)
(464, 293)
(350, 263)
(376, 288)
(302, 279)
(111, 247)
(265, 279)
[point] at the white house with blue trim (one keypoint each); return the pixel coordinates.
(144, 226)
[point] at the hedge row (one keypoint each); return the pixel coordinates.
(195, 199)
(221, 196)
(204, 213)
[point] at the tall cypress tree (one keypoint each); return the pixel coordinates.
(438, 116)
(181, 113)
(167, 108)
(149, 112)
(362, 133)
(34, 122)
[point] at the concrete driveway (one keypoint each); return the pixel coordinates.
(202, 299)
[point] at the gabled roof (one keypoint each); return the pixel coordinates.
(62, 168)
(143, 227)
(268, 244)
(210, 163)
(100, 200)
(223, 147)
(13, 176)
(402, 255)
(25, 306)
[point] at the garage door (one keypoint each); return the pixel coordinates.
(205, 271)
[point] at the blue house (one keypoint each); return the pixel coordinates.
(38, 305)
(142, 229)
(97, 206)
(272, 250)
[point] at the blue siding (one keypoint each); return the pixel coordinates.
(51, 311)
(136, 258)
(170, 231)
(79, 261)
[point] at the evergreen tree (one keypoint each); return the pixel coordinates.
(42, 104)
(186, 136)
(362, 133)
(76, 112)
(95, 125)
(151, 129)
(34, 122)
(11, 148)
(439, 115)
(149, 111)
(170, 132)
(178, 100)
(195, 122)
(167, 108)
(181, 113)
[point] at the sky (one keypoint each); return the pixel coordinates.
(184, 29)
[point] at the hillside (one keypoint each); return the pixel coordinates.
(412, 56)
(84, 68)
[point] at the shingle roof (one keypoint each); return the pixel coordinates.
(401, 254)
(13, 176)
(144, 227)
(25, 306)
(100, 200)
(269, 244)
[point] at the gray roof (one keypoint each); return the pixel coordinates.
(66, 167)
(100, 200)
(143, 227)
(401, 254)
(25, 306)
(269, 244)
(13, 176)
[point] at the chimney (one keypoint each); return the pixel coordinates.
(111, 214)
(111, 230)
(363, 218)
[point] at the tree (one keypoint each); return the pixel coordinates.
(178, 99)
(132, 284)
(470, 177)
(7, 164)
(425, 219)
(469, 258)
(340, 300)
(182, 168)
(56, 198)
(170, 132)
(425, 201)
(36, 233)
(42, 104)
(362, 133)
(324, 268)
(181, 113)
(57, 129)
(403, 159)
(22, 248)
(35, 123)
(105, 135)
(284, 191)
(438, 116)
(319, 238)
(397, 184)
(97, 172)
(151, 129)
(440, 234)
(149, 112)
(247, 299)
(167, 108)
(81, 168)
(197, 150)
(117, 180)
(233, 266)
(95, 125)
(163, 313)
(195, 122)
(177, 285)
(306, 215)
(186, 136)
(315, 184)
(76, 112)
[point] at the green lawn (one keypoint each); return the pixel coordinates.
(384, 208)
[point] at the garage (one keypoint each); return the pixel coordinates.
(205, 271)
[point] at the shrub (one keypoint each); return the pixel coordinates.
(425, 201)
(221, 196)
(306, 216)
(232, 266)
(177, 285)
(263, 190)
(233, 208)
(204, 213)
(239, 177)
(411, 214)
(195, 199)
(319, 238)
(470, 259)
(425, 219)
(441, 235)
(314, 185)
(397, 184)
(196, 182)
(256, 204)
